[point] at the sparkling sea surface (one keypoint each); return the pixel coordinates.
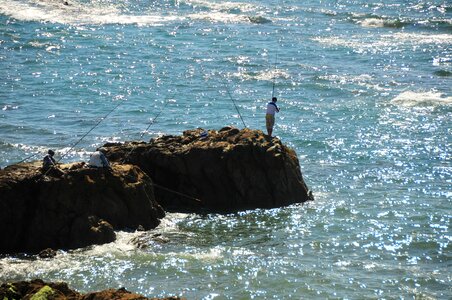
(366, 102)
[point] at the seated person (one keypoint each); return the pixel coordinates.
(98, 160)
(49, 166)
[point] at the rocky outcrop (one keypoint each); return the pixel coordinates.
(38, 289)
(223, 170)
(82, 207)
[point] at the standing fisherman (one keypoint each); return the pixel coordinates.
(272, 108)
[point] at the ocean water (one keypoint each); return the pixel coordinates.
(366, 101)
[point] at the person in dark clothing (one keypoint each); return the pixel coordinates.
(49, 166)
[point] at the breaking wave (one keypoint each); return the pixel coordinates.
(431, 98)
(224, 17)
(379, 22)
(266, 75)
(224, 6)
(371, 20)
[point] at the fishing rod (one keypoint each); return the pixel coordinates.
(147, 128)
(73, 146)
(97, 124)
(274, 74)
(27, 158)
(153, 119)
(230, 96)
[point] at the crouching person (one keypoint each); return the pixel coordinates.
(99, 160)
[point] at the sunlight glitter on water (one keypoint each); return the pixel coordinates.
(365, 102)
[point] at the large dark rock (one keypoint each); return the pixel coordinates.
(80, 208)
(226, 170)
(38, 289)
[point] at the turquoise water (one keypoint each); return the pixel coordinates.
(366, 102)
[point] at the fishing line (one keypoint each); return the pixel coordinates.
(147, 128)
(176, 192)
(276, 61)
(27, 158)
(230, 96)
(73, 146)
(274, 73)
(153, 119)
(97, 124)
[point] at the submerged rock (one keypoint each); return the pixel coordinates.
(38, 289)
(223, 170)
(80, 208)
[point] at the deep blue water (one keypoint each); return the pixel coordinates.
(366, 102)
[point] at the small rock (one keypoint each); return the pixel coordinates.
(47, 253)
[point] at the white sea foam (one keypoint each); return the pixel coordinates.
(223, 17)
(416, 38)
(211, 254)
(372, 22)
(76, 13)
(10, 107)
(219, 17)
(82, 14)
(223, 5)
(363, 80)
(266, 75)
(386, 41)
(410, 99)
(221, 12)
(169, 223)
(67, 261)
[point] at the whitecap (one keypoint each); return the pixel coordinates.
(223, 5)
(220, 17)
(381, 22)
(419, 38)
(9, 107)
(372, 22)
(51, 48)
(265, 75)
(212, 254)
(38, 44)
(431, 98)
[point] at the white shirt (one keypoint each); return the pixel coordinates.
(272, 108)
(98, 159)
